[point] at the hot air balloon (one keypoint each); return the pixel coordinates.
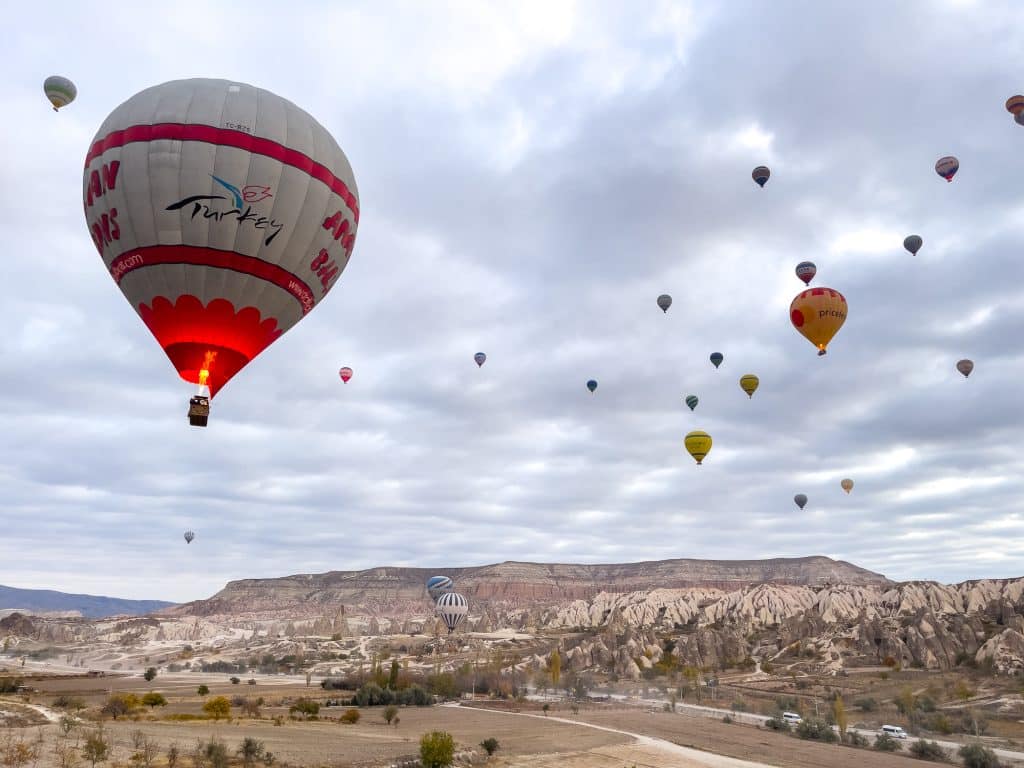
(800, 499)
(591, 385)
(1015, 105)
(818, 313)
(698, 444)
(345, 374)
(452, 608)
(760, 175)
(480, 359)
(691, 400)
(59, 90)
(716, 359)
(748, 383)
(1019, 118)
(913, 243)
(846, 484)
(438, 585)
(224, 213)
(965, 367)
(664, 301)
(947, 167)
(189, 536)
(806, 271)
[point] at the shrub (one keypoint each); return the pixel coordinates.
(68, 702)
(389, 713)
(218, 707)
(351, 716)
(202, 690)
(867, 704)
(855, 739)
(886, 743)
(235, 681)
(215, 752)
(154, 699)
(816, 730)
(149, 674)
(305, 707)
(490, 745)
(437, 749)
(727, 719)
(928, 750)
(976, 756)
(250, 750)
(776, 724)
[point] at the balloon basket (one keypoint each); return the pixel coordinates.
(198, 411)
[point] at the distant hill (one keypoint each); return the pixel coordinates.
(90, 606)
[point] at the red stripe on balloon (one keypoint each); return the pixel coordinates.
(225, 137)
(154, 255)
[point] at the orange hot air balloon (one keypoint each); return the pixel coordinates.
(818, 313)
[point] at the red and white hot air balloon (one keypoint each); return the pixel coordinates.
(224, 213)
(345, 374)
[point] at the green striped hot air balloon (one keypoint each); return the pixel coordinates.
(59, 90)
(691, 400)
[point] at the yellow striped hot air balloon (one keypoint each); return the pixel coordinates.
(59, 90)
(818, 313)
(748, 383)
(698, 444)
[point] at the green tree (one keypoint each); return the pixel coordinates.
(154, 699)
(96, 749)
(490, 745)
(437, 749)
(305, 707)
(389, 713)
(203, 690)
(218, 707)
(250, 751)
(556, 667)
(546, 708)
(393, 677)
(351, 717)
(149, 674)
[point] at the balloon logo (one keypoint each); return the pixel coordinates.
(716, 359)
(189, 536)
(698, 444)
(947, 167)
(806, 271)
(760, 175)
(818, 313)
(224, 213)
(480, 359)
(664, 302)
(749, 383)
(591, 385)
(847, 485)
(345, 374)
(1015, 105)
(801, 500)
(59, 90)
(965, 367)
(913, 244)
(691, 400)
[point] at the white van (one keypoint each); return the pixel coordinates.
(894, 730)
(792, 718)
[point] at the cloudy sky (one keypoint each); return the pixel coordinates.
(531, 178)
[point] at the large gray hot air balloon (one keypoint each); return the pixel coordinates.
(452, 608)
(913, 243)
(664, 302)
(224, 213)
(438, 585)
(801, 500)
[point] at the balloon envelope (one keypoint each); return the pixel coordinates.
(59, 90)
(591, 385)
(224, 213)
(760, 174)
(748, 383)
(438, 585)
(913, 243)
(691, 400)
(480, 358)
(1015, 105)
(947, 167)
(698, 444)
(716, 359)
(965, 367)
(847, 485)
(452, 608)
(664, 301)
(189, 536)
(818, 313)
(801, 500)
(345, 374)
(806, 271)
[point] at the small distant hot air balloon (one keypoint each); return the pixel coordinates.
(965, 367)
(947, 167)
(806, 271)
(801, 500)
(345, 374)
(760, 175)
(1015, 105)
(664, 301)
(698, 444)
(913, 243)
(480, 358)
(716, 359)
(691, 400)
(189, 536)
(452, 608)
(847, 484)
(748, 383)
(591, 385)
(818, 313)
(438, 585)
(59, 90)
